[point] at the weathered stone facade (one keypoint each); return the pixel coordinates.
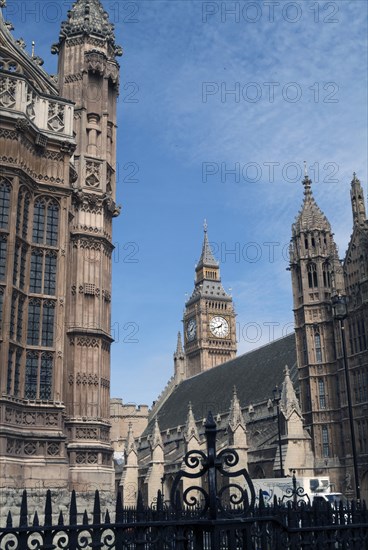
(57, 195)
(317, 275)
(315, 431)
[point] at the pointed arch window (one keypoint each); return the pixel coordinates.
(312, 275)
(326, 270)
(299, 279)
(325, 442)
(5, 191)
(45, 222)
(3, 252)
(38, 375)
(23, 214)
(39, 221)
(318, 348)
(305, 350)
(43, 272)
(13, 375)
(41, 317)
(321, 393)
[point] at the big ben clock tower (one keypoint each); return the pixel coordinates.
(209, 317)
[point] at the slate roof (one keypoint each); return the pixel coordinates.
(254, 374)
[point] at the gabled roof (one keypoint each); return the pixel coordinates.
(254, 374)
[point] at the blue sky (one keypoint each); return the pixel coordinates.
(205, 92)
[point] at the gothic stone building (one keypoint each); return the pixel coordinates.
(315, 433)
(57, 193)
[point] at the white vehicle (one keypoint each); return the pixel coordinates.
(282, 488)
(332, 498)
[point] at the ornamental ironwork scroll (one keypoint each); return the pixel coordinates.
(223, 492)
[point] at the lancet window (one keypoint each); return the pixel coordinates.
(5, 192)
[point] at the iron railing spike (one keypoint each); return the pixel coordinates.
(73, 509)
(23, 518)
(48, 509)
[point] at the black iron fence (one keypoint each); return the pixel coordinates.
(220, 513)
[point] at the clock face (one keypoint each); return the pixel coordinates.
(191, 329)
(219, 327)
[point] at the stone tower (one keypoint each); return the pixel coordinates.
(57, 193)
(316, 274)
(209, 317)
(88, 75)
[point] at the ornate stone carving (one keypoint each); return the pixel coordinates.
(73, 78)
(51, 419)
(22, 124)
(92, 173)
(87, 379)
(86, 433)
(56, 117)
(8, 88)
(53, 449)
(105, 383)
(95, 62)
(30, 449)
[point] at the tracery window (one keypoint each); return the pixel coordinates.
(3, 250)
(321, 393)
(41, 316)
(317, 344)
(23, 213)
(38, 375)
(305, 351)
(43, 272)
(312, 275)
(326, 270)
(14, 361)
(21, 300)
(325, 442)
(13, 312)
(45, 222)
(5, 191)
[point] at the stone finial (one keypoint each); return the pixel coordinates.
(179, 346)
(190, 426)
(156, 439)
(289, 401)
(235, 416)
(130, 442)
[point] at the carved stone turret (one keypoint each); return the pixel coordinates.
(88, 74)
